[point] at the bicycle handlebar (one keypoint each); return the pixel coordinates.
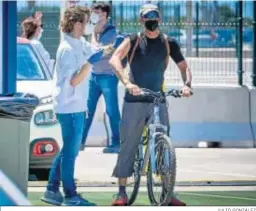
(173, 92)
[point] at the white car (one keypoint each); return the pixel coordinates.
(34, 77)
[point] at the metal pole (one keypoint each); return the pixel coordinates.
(237, 28)
(111, 13)
(197, 29)
(121, 16)
(254, 45)
(1, 48)
(177, 15)
(189, 27)
(9, 65)
(240, 43)
(178, 18)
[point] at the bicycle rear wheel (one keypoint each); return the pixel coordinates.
(165, 162)
(133, 183)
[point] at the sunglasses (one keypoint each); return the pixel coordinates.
(151, 15)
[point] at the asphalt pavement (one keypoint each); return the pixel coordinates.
(193, 165)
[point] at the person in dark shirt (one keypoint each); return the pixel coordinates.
(103, 80)
(148, 54)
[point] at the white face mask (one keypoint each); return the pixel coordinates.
(40, 35)
(95, 18)
(88, 29)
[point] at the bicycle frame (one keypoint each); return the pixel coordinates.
(153, 133)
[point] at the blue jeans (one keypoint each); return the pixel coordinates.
(64, 164)
(106, 85)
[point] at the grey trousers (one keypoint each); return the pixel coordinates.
(134, 118)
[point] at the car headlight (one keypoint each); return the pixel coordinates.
(46, 100)
(45, 118)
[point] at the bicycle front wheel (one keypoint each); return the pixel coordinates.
(160, 184)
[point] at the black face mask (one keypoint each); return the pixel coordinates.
(151, 25)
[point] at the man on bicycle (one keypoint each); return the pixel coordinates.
(148, 54)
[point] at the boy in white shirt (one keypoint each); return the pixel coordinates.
(69, 106)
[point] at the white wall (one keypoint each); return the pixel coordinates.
(1, 47)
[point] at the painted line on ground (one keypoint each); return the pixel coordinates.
(218, 173)
(144, 189)
(179, 184)
(219, 196)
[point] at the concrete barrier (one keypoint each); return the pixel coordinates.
(219, 114)
(97, 135)
(253, 113)
(213, 114)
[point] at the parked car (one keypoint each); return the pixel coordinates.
(33, 76)
(219, 38)
(205, 40)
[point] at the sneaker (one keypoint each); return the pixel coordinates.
(77, 200)
(114, 148)
(53, 198)
(120, 200)
(176, 202)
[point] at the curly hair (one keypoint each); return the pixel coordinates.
(73, 15)
(29, 26)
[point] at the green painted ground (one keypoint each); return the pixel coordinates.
(216, 198)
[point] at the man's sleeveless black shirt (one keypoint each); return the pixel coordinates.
(148, 63)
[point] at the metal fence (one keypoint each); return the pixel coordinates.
(208, 32)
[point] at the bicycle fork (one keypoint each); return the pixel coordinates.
(154, 132)
(150, 150)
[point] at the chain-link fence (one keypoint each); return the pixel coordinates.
(208, 33)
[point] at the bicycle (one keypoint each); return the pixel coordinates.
(159, 157)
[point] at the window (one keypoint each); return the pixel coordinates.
(28, 66)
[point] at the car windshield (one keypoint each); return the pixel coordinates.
(28, 67)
